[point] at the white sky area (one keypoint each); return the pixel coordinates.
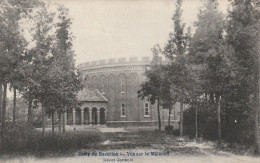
(106, 29)
(124, 28)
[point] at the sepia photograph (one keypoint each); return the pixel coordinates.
(129, 81)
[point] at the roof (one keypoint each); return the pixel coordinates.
(91, 95)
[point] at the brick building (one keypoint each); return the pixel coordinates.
(110, 95)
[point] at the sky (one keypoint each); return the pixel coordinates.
(106, 29)
(124, 28)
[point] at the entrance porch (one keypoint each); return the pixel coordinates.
(86, 116)
(92, 110)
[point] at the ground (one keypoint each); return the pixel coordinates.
(141, 144)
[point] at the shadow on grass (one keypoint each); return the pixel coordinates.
(23, 139)
(135, 139)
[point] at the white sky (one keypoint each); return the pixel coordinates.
(124, 28)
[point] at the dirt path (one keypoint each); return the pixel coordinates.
(131, 145)
(172, 157)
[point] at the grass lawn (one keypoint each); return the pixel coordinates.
(93, 138)
(63, 148)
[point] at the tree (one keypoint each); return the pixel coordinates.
(176, 50)
(12, 43)
(168, 101)
(36, 59)
(243, 34)
(14, 106)
(212, 56)
(9, 38)
(68, 81)
(52, 76)
(43, 71)
(151, 89)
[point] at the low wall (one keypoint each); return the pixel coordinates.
(127, 124)
(175, 124)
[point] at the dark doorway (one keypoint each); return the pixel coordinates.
(69, 117)
(86, 116)
(94, 116)
(102, 116)
(78, 116)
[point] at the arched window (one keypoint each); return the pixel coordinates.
(122, 86)
(122, 83)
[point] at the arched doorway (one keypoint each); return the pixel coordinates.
(102, 116)
(86, 116)
(94, 116)
(78, 116)
(69, 117)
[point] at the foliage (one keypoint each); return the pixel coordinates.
(46, 71)
(243, 35)
(207, 123)
(211, 56)
(237, 124)
(25, 139)
(36, 56)
(176, 50)
(151, 89)
(165, 80)
(157, 85)
(169, 129)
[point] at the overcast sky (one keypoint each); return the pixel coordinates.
(124, 28)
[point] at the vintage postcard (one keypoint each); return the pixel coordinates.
(129, 81)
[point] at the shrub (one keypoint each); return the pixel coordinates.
(37, 123)
(176, 132)
(236, 124)
(24, 138)
(17, 137)
(169, 129)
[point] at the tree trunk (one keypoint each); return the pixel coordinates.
(30, 109)
(256, 96)
(52, 122)
(63, 122)
(4, 106)
(211, 97)
(169, 118)
(196, 122)
(43, 120)
(181, 119)
(14, 106)
(159, 116)
(257, 142)
(59, 114)
(1, 99)
(218, 118)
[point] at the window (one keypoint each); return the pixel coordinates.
(122, 86)
(103, 86)
(123, 114)
(146, 110)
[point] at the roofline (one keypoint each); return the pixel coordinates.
(102, 95)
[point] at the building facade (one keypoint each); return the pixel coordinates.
(110, 95)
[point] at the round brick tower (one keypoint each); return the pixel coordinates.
(119, 80)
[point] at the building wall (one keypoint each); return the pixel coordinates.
(119, 81)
